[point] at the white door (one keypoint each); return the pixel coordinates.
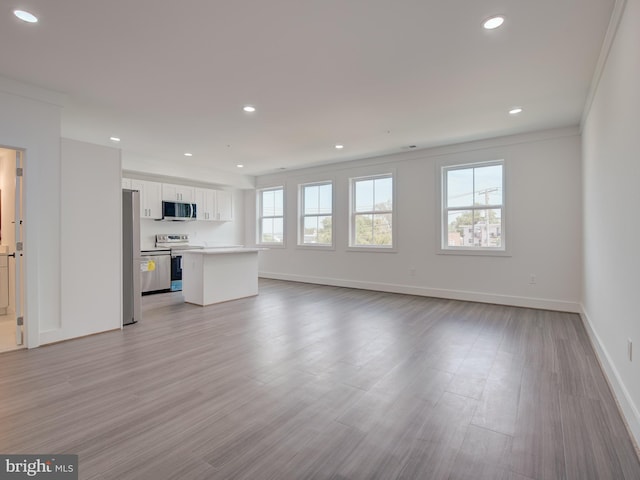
(19, 251)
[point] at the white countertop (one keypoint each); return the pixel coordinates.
(222, 250)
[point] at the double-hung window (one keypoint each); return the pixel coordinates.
(473, 207)
(316, 214)
(271, 216)
(372, 212)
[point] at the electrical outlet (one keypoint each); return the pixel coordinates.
(630, 349)
(532, 279)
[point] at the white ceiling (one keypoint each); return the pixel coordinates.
(170, 77)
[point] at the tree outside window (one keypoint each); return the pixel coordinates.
(316, 219)
(372, 212)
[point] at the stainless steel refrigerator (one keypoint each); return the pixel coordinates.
(131, 293)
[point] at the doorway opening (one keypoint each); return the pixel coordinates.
(12, 328)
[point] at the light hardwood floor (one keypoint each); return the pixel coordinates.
(311, 382)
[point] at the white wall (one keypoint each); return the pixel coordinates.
(544, 227)
(91, 221)
(611, 171)
(184, 168)
(30, 120)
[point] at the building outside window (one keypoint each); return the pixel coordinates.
(316, 214)
(372, 212)
(271, 216)
(473, 207)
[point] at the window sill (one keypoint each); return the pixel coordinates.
(325, 248)
(270, 245)
(372, 249)
(474, 252)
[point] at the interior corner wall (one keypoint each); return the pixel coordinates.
(611, 196)
(543, 188)
(91, 219)
(32, 124)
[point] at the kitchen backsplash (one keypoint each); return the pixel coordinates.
(200, 232)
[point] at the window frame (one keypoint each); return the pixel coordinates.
(260, 217)
(443, 211)
(390, 173)
(302, 215)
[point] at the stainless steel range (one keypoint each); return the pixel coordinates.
(175, 242)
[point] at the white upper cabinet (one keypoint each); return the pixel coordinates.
(224, 206)
(213, 205)
(178, 193)
(150, 198)
(205, 204)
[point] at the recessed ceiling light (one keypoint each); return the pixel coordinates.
(188, 154)
(25, 16)
(493, 22)
(240, 165)
(249, 108)
(114, 139)
(515, 111)
(339, 147)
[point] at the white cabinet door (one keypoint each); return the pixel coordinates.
(178, 193)
(205, 204)
(150, 198)
(224, 206)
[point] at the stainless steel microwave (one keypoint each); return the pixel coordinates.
(178, 211)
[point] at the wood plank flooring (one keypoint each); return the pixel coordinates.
(312, 382)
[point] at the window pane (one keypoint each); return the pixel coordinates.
(278, 200)
(488, 185)
(382, 229)
(364, 230)
(324, 230)
(460, 187)
(311, 199)
(488, 228)
(383, 194)
(364, 195)
(475, 228)
(317, 230)
(278, 230)
(325, 201)
(460, 228)
(267, 230)
(268, 205)
(272, 231)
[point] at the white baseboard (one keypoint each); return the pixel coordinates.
(628, 408)
(527, 302)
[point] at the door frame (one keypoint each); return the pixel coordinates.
(29, 334)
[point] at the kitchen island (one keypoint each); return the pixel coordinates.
(214, 275)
